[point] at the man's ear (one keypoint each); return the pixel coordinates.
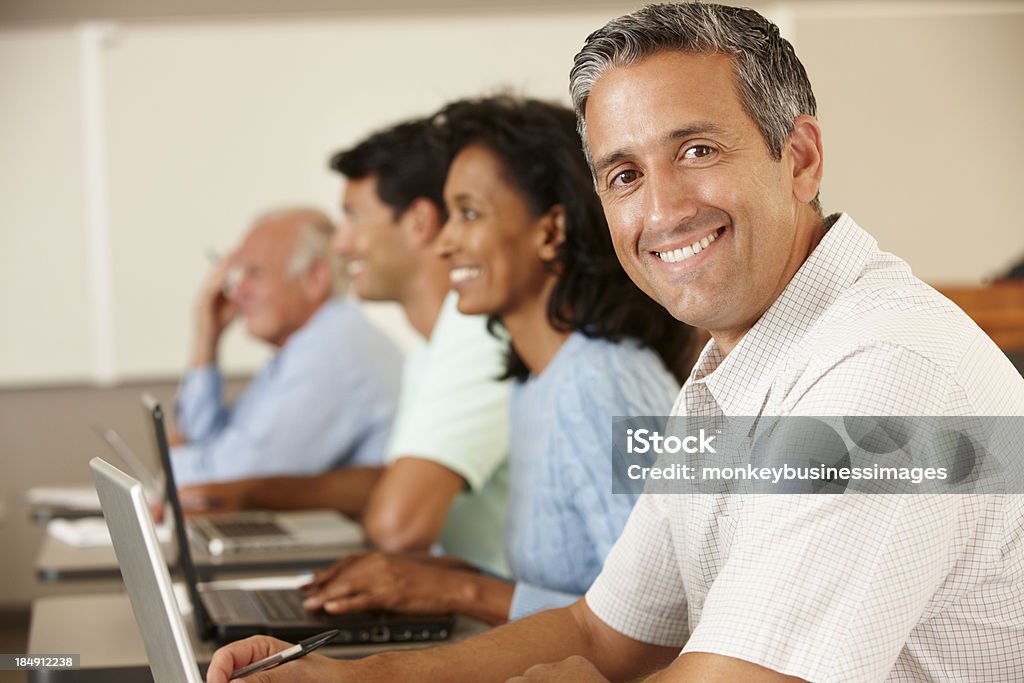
(807, 157)
(552, 232)
(318, 281)
(423, 222)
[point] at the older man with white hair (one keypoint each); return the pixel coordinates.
(326, 398)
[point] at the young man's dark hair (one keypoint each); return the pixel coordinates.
(404, 162)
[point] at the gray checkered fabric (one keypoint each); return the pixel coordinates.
(833, 587)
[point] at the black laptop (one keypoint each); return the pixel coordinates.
(236, 533)
(227, 614)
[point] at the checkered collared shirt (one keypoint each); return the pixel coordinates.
(833, 587)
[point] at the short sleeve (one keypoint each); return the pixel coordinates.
(457, 415)
(640, 591)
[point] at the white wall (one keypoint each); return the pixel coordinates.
(923, 118)
(203, 124)
(44, 304)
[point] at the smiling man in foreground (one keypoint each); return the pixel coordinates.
(699, 123)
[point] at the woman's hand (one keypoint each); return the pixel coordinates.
(384, 581)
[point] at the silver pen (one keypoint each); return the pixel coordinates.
(302, 649)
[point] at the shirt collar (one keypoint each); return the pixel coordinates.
(739, 383)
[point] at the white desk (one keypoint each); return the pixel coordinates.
(58, 561)
(102, 630)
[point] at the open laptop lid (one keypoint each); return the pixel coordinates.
(204, 627)
(152, 481)
(171, 658)
(358, 628)
(256, 531)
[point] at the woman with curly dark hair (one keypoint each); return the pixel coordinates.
(528, 246)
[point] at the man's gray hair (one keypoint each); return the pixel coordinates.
(313, 243)
(773, 86)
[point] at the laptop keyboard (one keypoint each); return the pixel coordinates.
(241, 529)
(281, 605)
(267, 610)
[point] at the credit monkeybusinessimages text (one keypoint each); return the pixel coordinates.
(775, 475)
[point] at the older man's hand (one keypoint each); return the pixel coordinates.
(214, 311)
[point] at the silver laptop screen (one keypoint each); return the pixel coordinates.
(170, 653)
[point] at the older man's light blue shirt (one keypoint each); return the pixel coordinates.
(326, 399)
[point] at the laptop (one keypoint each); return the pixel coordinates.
(168, 648)
(221, 612)
(227, 614)
(235, 532)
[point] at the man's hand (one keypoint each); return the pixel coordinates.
(176, 438)
(383, 581)
(226, 496)
(575, 668)
(214, 311)
(232, 657)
